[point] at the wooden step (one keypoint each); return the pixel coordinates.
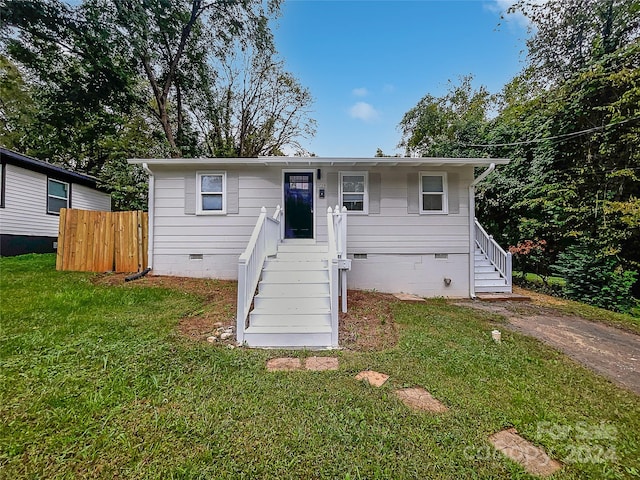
(302, 248)
(282, 303)
(300, 277)
(285, 289)
(267, 319)
(288, 336)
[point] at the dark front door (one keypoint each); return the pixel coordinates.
(298, 205)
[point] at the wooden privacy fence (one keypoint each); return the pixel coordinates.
(93, 241)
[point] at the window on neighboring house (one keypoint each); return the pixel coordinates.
(57, 196)
(211, 193)
(433, 192)
(354, 191)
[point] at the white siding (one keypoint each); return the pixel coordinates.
(400, 247)
(422, 275)
(25, 205)
(85, 198)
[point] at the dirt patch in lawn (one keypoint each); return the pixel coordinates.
(367, 326)
(219, 300)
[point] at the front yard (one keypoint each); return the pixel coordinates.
(110, 380)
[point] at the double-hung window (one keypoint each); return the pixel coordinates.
(57, 196)
(433, 192)
(354, 191)
(211, 193)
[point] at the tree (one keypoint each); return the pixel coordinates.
(570, 34)
(167, 42)
(255, 108)
(446, 126)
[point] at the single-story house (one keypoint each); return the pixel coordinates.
(32, 192)
(401, 225)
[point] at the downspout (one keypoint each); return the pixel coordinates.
(151, 208)
(472, 228)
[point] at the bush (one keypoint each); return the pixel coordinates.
(596, 278)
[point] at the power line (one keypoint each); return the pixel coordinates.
(566, 135)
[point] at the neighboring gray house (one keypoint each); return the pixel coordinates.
(409, 227)
(32, 192)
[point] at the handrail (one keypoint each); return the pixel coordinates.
(262, 243)
(333, 275)
(494, 252)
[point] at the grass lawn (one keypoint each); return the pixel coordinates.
(97, 381)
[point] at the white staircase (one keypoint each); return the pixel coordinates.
(487, 277)
(293, 304)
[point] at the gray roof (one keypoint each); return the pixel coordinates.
(35, 165)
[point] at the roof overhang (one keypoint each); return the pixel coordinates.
(324, 162)
(54, 171)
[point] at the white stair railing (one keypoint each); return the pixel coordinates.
(333, 275)
(340, 227)
(263, 243)
(494, 252)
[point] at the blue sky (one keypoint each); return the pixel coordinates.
(367, 62)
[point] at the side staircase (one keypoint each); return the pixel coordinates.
(492, 265)
(293, 304)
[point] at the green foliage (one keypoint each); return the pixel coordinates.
(444, 127)
(596, 278)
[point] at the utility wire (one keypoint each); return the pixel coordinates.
(566, 135)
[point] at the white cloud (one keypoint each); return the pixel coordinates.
(360, 92)
(501, 7)
(364, 111)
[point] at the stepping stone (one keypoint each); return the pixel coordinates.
(374, 378)
(283, 364)
(533, 459)
(420, 399)
(319, 364)
(407, 297)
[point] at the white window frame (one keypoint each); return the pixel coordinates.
(49, 195)
(444, 193)
(200, 193)
(365, 196)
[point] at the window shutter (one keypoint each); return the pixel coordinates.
(375, 180)
(233, 192)
(413, 195)
(190, 194)
(453, 191)
(332, 189)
